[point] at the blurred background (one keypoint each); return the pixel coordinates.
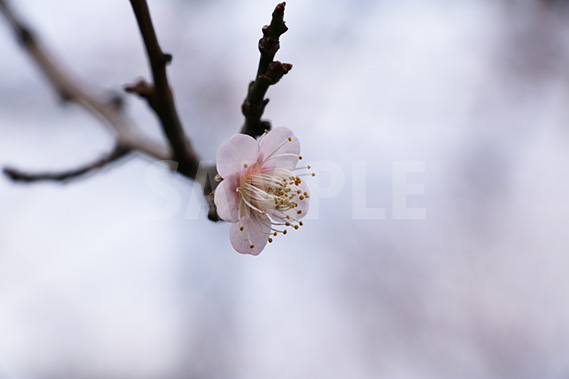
(93, 286)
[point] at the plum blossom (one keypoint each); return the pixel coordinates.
(261, 195)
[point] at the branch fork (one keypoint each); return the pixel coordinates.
(159, 97)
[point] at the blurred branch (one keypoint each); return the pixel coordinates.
(70, 90)
(19, 176)
(268, 73)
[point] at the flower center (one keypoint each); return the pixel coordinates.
(274, 192)
(269, 190)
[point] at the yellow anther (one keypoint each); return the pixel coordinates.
(299, 211)
(287, 223)
(301, 197)
(270, 240)
(296, 227)
(308, 167)
(289, 139)
(284, 231)
(313, 174)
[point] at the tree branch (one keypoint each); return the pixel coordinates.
(18, 176)
(268, 73)
(159, 95)
(71, 90)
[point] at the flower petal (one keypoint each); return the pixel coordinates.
(275, 144)
(255, 232)
(227, 199)
(231, 156)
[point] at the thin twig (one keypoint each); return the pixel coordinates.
(159, 95)
(18, 176)
(268, 73)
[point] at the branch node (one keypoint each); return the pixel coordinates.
(167, 58)
(276, 71)
(117, 102)
(143, 89)
(25, 36)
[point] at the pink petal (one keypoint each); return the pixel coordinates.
(270, 148)
(255, 232)
(227, 199)
(231, 156)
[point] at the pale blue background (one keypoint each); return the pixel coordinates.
(92, 287)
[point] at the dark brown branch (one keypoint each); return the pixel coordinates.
(159, 95)
(19, 176)
(268, 73)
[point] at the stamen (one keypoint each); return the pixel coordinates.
(272, 157)
(252, 206)
(277, 149)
